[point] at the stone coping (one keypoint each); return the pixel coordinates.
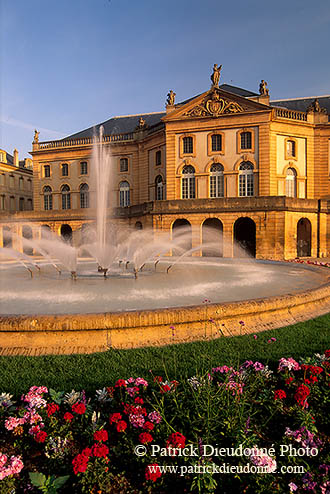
(89, 333)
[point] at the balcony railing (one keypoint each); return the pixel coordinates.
(291, 114)
(85, 141)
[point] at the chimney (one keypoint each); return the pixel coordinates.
(16, 158)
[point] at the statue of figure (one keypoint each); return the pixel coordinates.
(215, 77)
(142, 123)
(170, 98)
(263, 90)
(36, 136)
(315, 107)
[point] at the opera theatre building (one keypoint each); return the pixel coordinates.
(253, 169)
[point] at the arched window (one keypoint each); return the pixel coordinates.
(216, 180)
(66, 197)
(188, 187)
(124, 194)
(84, 196)
(246, 140)
(48, 198)
(65, 169)
(246, 182)
(188, 145)
(216, 140)
(291, 183)
(159, 185)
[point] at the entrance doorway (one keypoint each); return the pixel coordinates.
(244, 238)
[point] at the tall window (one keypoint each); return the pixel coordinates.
(2, 179)
(159, 188)
(246, 140)
(11, 181)
(12, 203)
(2, 202)
(158, 158)
(216, 181)
(291, 183)
(124, 194)
(188, 182)
(47, 171)
(21, 203)
(66, 197)
(65, 170)
(29, 184)
(29, 205)
(123, 164)
(48, 198)
(84, 196)
(216, 142)
(246, 180)
(290, 149)
(21, 184)
(188, 145)
(83, 168)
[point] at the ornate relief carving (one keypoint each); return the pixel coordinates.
(214, 105)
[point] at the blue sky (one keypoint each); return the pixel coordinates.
(68, 64)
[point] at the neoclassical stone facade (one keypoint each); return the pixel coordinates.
(256, 171)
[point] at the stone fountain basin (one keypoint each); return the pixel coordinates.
(54, 314)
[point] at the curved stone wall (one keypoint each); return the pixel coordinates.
(88, 333)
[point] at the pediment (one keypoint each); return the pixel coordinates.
(214, 103)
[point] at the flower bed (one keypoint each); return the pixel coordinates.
(249, 429)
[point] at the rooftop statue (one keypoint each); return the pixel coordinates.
(215, 77)
(315, 107)
(170, 98)
(36, 136)
(263, 90)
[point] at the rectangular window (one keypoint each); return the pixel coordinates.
(124, 165)
(66, 201)
(217, 142)
(46, 171)
(65, 171)
(21, 183)
(29, 204)
(2, 179)
(216, 186)
(83, 168)
(291, 148)
(246, 185)
(21, 203)
(12, 203)
(246, 140)
(158, 158)
(2, 202)
(188, 147)
(12, 181)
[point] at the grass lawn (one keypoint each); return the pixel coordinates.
(95, 371)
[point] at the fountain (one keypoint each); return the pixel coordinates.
(131, 289)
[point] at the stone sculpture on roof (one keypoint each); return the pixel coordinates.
(315, 107)
(215, 77)
(170, 98)
(36, 136)
(263, 90)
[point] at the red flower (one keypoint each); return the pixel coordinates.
(148, 426)
(121, 426)
(152, 472)
(114, 418)
(100, 450)
(139, 400)
(158, 379)
(80, 463)
(68, 416)
(101, 435)
(145, 437)
(120, 383)
(79, 408)
(52, 408)
(176, 440)
(87, 452)
(289, 380)
(279, 394)
(301, 395)
(40, 436)
(165, 388)
(327, 353)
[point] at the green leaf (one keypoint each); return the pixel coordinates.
(60, 481)
(37, 479)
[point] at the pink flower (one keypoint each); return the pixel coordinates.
(155, 417)
(255, 336)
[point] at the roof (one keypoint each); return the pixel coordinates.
(120, 125)
(301, 104)
(229, 89)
